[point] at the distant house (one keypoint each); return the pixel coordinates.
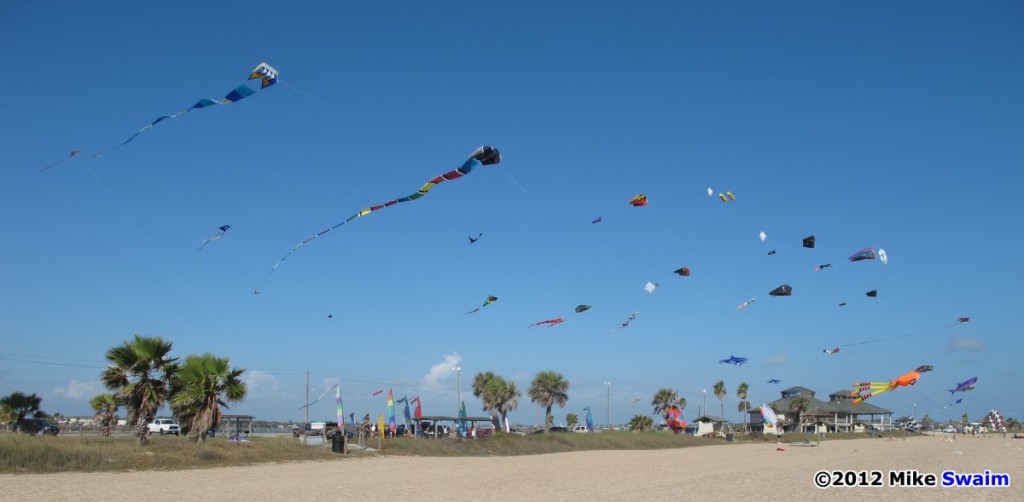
(708, 425)
(838, 414)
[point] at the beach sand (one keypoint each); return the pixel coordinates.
(731, 472)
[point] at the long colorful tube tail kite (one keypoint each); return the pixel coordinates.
(73, 153)
(266, 73)
(488, 301)
(485, 155)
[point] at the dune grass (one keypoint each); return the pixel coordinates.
(33, 454)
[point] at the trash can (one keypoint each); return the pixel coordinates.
(338, 443)
(728, 437)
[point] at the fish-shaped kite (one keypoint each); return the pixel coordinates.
(638, 201)
(964, 386)
(596, 220)
(771, 252)
(485, 155)
(746, 303)
(266, 73)
(220, 233)
(549, 322)
(831, 351)
(819, 268)
(876, 388)
(488, 301)
(733, 360)
(774, 380)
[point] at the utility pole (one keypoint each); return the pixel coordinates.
(609, 406)
(307, 397)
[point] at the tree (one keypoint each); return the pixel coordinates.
(571, 419)
(640, 423)
(663, 400)
(799, 404)
(964, 420)
(105, 406)
(140, 374)
(720, 393)
(744, 406)
(547, 389)
(202, 385)
(499, 396)
(927, 423)
(22, 405)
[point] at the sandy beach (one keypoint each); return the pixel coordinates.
(723, 472)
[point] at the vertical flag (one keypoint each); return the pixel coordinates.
(391, 412)
(590, 420)
(463, 427)
(341, 409)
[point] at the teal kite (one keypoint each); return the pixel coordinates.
(266, 73)
(488, 301)
(485, 155)
(582, 308)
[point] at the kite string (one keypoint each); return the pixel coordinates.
(152, 247)
(300, 91)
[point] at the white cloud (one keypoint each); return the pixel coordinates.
(79, 390)
(965, 344)
(260, 383)
(780, 359)
(440, 373)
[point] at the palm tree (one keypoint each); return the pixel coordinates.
(140, 374)
(547, 389)
(202, 385)
(504, 397)
(799, 404)
(498, 396)
(720, 393)
(22, 405)
(744, 406)
(571, 419)
(663, 400)
(105, 406)
(640, 423)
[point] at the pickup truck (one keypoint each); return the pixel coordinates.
(164, 426)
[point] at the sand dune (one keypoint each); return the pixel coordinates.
(726, 472)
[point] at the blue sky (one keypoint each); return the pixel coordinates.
(895, 126)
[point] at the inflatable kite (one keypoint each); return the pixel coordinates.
(876, 388)
(863, 254)
(783, 290)
(674, 419)
(774, 380)
(73, 153)
(884, 258)
(727, 197)
(218, 235)
(685, 271)
(831, 351)
(763, 236)
(768, 416)
(964, 386)
(549, 322)
(596, 220)
(485, 155)
(819, 268)
(872, 294)
(771, 252)
(488, 301)
(746, 303)
(639, 200)
(582, 308)
(266, 73)
(809, 241)
(733, 360)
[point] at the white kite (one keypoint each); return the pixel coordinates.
(651, 286)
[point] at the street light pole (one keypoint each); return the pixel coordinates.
(705, 392)
(458, 376)
(609, 406)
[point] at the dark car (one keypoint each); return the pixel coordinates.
(553, 429)
(40, 427)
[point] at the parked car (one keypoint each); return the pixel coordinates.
(40, 427)
(580, 428)
(553, 429)
(164, 426)
(441, 430)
